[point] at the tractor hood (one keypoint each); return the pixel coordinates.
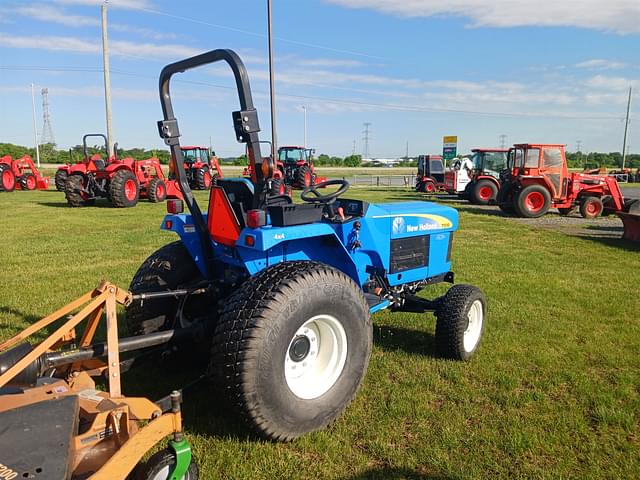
(415, 218)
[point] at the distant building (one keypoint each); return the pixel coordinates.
(381, 162)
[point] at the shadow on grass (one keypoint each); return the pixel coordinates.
(391, 473)
(27, 317)
(97, 204)
(414, 342)
(613, 242)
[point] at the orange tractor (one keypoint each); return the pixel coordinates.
(201, 166)
(20, 173)
(537, 179)
(122, 181)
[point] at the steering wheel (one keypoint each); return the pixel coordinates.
(329, 198)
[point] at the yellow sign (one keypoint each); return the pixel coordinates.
(450, 139)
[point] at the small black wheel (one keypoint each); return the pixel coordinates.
(59, 179)
(460, 322)
(203, 178)
(483, 192)
(160, 466)
(591, 207)
(124, 189)
(168, 268)
(532, 201)
(7, 178)
(317, 198)
(74, 191)
(157, 190)
(292, 347)
(304, 178)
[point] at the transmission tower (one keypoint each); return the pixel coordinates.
(503, 141)
(365, 139)
(47, 131)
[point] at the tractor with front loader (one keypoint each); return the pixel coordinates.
(281, 294)
(20, 173)
(537, 179)
(201, 166)
(120, 180)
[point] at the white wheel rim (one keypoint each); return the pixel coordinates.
(163, 474)
(322, 354)
(474, 326)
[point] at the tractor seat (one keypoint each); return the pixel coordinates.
(38, 438)
(239, 190)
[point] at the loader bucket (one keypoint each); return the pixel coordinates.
(631, 224)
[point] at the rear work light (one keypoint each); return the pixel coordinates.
(175, 206)
(256, 218)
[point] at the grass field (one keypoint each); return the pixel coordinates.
(553, 392)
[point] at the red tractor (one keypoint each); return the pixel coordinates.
(199, 163)
(537, 179)
(122, 181)
(20, 173)
(485, 175)
(90, 162)
(431, 171)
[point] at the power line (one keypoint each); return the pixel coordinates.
(387, 106)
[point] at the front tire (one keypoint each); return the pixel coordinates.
(160, 466)
(292, 347)
(124, 189)
(7, 178)
(60, 179)
(304, 178)
(591, 207)
(156, 191)
(203, 178)
(460, 322)
(484, 192)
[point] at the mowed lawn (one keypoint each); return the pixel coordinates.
(553, 392)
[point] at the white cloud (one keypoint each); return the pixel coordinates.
(130, 4)
(604, 82)
(601, 64)
(620, 16)
(117, 47)
(50, 13)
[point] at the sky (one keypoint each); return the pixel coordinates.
(547, 71)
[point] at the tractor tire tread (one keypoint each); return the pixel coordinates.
(72, 189)
(60, 179)
(449, 330)
(117, 189)
(152, 191)
(245, 312)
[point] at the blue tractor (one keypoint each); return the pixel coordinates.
(281, 294)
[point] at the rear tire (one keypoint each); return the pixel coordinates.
(160, 466)
(460, 322)
(168, 268)
(7, 178)
(483, 192)
(277, 188)
(292, 347)
(60, 179)
(591, 207)
(157, 191)
(532, 201)
(124, 189)
(203, 178)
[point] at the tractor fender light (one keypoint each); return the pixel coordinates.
(175, 206)
(256, 218)
(249, 240)
(168, 224)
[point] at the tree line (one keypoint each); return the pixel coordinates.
(50, 154)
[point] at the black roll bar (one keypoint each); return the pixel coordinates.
(84, 143)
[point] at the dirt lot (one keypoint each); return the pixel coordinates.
(574, 224)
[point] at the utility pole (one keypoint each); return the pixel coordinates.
(272, 87)
(353, 151)
(305, 126)
(406, 153)
(35, 128)
(503, 141)
(107, 80)
(626, 129)
(365, 138)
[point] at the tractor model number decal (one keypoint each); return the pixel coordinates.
(278, 236)
(425, 221)
(189, 228)
(6, 473)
